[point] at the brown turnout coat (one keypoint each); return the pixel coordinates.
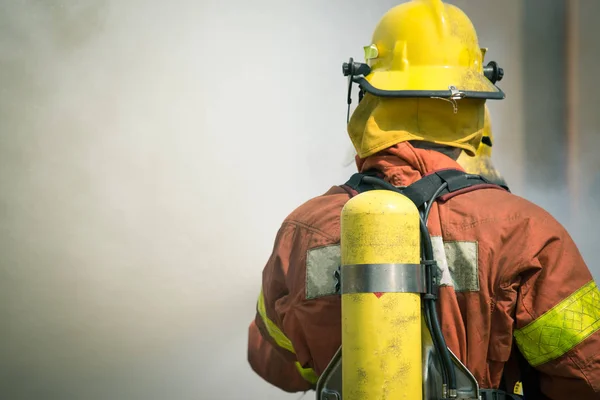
(511, 273)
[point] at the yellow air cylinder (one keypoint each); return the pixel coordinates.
(381, 306)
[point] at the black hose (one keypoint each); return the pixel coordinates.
(444, 353)
(429, 289)
(435, 195)
(435, 328)
(434, 339)
(448, 373)
(436, 345)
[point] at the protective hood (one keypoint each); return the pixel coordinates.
(380, 122)
(483, 166)
(482, 163)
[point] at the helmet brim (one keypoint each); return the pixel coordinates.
(430, 82)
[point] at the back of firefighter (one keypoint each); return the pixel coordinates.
(513, 281)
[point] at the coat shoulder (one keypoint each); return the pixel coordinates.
(321, 213)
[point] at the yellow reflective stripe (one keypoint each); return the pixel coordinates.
(561, 328)
(307, 373)
(282, 341)
(518, 389)
(274, 331)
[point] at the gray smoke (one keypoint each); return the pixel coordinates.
(148, 153)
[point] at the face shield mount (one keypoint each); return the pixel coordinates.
(352, 70)
(357, 71)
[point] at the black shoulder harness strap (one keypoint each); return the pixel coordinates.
(425, 188)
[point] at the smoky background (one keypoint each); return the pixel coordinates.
(149, 151)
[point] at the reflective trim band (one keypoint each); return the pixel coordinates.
(383, 278)
(308, 374)
(561, 328)
(458, 263)
(274, 331)
(282, 341)
(321, 265)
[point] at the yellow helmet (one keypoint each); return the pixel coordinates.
(425, 48)
(481, 163)
(421, 51)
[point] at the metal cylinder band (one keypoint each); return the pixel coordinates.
(383, 278)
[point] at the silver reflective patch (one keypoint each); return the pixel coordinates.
(458, 262)
(463, 265)
(321, 264)
(439, 254)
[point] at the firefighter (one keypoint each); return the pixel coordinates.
(512, 279)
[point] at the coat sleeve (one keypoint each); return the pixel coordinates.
(268, 362)
(558, 316)
(293, 337)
